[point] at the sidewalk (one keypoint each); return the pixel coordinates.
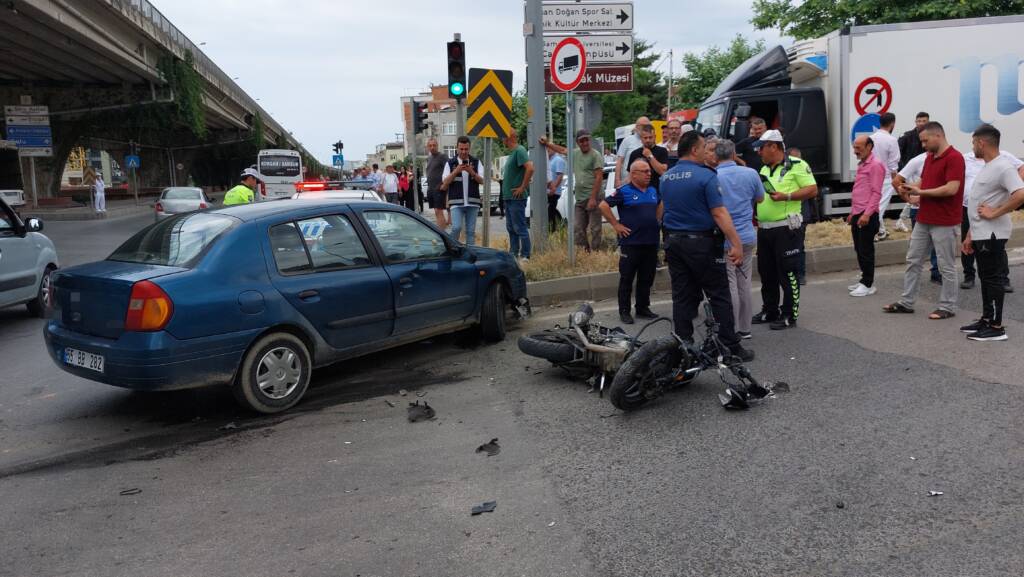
(120, 208)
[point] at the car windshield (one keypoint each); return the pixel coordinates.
(711, 117)
(183, 194)
(177, 241)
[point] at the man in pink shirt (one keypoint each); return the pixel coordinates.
(863, 219)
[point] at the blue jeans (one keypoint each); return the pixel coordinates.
(515, 224)
(464, 217)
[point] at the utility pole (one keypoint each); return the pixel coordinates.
(533, 30)
(669, 103)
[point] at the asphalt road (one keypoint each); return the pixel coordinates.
(832, 478)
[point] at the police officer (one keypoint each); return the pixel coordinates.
(243, 193)
(788, 182)
(696, 225)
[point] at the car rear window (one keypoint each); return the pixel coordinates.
(177, 241)
(182, 194)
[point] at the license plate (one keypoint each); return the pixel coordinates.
(83, 359)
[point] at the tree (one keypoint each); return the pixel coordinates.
(813, 18)
(705, 71)
(647, 99)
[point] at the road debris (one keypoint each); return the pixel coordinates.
(551, 524)
(229, 426)
(403, 392)
(389, 403)
(421, 393)
(132, 491)
(840, 505)
(935, 493)
(418, 412)
(491, 448)
(485, 507)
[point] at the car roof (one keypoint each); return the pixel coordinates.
(272, 208)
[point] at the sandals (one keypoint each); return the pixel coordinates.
(941, 314)
(898, 308)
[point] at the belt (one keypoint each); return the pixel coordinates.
(691, 233)
(774, 224)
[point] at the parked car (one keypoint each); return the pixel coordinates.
(188, 302)
(179, 199)
(27, 259)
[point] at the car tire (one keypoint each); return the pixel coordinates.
(37, 306)
(274, 375)
(492, 315)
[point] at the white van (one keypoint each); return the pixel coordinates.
(281, 171)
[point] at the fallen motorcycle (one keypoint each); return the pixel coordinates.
(585, 348)
(669, 361)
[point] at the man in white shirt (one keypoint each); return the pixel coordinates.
(626, 148)
(100, 192)
(996, 191)
(389, 184)
(887, 150)
(973, 165)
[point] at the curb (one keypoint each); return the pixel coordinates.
(77, 214)
(601, 286)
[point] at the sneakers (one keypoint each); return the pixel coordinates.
(645, 314)
(783, 324)
(975, 326)
(743, 335)
(763, 318)
(902, 226)
(741, 353)
(968, 283)
(626, 318)
(989, 333)
(882, 235)
(863, 291)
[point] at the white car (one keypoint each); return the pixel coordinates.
(27, 258)
(179, 199)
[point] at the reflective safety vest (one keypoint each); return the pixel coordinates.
(240, 194)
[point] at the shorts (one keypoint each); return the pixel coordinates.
(437, 199)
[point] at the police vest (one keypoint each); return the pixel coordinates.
(240, 194)
(455, 188)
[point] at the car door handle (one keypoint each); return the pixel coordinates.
(309, 294)
(405, 281)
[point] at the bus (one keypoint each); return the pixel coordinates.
(281, 171)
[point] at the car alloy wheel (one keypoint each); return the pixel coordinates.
(274, 373)
(279, 372)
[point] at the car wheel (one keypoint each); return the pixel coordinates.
(274, 375)
(37, 306)
(492, 316)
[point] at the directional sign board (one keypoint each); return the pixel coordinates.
(29, 128)
(597, 79)
(568, 64)
(489, 103)
(588, 17)
(603, 49)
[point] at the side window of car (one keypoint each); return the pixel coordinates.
(333, 242)
(289, 252)
(403, 237)
(6, 221)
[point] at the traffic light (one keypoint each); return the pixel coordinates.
(419, 117)
(338, 147)
(457, 70)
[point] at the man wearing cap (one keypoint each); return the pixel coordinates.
(588, 175)
(788, 182)
(243, 193)
(697, 224)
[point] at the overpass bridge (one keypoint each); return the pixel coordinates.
(114, 76)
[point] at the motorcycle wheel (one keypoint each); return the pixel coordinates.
(654, 360)
(554, 346)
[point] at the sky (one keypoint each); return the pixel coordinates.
(331, 70)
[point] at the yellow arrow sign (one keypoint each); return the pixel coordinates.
(489, 103)
(490, 79)
(489, 106)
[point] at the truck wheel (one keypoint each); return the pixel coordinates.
(492, 315)
(274, 374)
(37, 306)
(654, 360)
(550, 345)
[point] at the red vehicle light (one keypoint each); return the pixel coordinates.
(263, 189)
(149, 308)
(310, 186)
(202, 205)
(159, 207)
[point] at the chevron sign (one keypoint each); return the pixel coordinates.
(489, 104)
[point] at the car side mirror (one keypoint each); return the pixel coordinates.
(33, 225)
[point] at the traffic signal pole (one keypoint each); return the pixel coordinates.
(533, 30)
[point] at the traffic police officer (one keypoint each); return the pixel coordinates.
(696, 225)
(788, 182)
(243, 193)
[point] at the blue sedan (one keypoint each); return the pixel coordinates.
(256, 296)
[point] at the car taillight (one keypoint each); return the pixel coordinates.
(202, 205)
(159, 207)
(149, 308)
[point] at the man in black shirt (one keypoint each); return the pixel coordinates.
(655, 155)
(745, 148)
(438, 199)
(910, 142)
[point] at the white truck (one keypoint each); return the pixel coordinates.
(822, 92)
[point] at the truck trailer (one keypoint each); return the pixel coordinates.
(823, 92)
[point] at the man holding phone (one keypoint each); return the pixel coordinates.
(462, 180)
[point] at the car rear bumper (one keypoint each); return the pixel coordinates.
(153, 361)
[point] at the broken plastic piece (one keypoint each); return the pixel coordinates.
(403, 392)
(418, 412)
(229, 426)
(485, 507)
(734, 400)
(132, 491)
(840, 505)
(491, 448)
(935, 493)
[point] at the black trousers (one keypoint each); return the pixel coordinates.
(554, 219)
(967, 260)
(778, 260)
(697, 269)
(994, 274)
(639, 263)
(864, 244)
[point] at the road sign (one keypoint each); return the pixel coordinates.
(26, 110)
(29, 128)
(568, 64)
(867, 124)
(338, 160)
(132, 161)
(873, 94)
(28, 120)
(597, 79)
(489, 105)
(603, 49)
(589, 17)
